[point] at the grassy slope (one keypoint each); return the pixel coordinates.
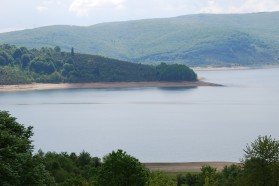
(196, 40)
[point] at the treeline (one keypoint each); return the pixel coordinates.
(19, 166)
(259, 167)
(18, 65)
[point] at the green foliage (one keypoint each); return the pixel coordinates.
(208, 176)
(25, 59)
(17, 53)
(175, 72)
(69, 169)
(13, 75)
(261, 162)
(67, 69)
(230, 175)
(2, 61)
(188, 179)
(17, 165)
(6, 58)
(48, 66)
(119, 168)
(158, 178)
(194, 40)
(57, 49)
(72, 51)
(41, 67)
(260, 167)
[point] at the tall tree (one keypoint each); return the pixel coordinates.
(17, 53)
(57, 49)
(72, 51)
(158, 178)
(17, 164)
(261, 162)
(121, 169)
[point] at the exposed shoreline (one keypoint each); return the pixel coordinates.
(186, 166)
(209, 68)
(102, 85)
(221, 68)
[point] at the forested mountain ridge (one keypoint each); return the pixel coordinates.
(194, 40)
(18, 65)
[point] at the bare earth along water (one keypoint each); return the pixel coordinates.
(153, 124)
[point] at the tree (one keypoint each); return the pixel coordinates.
(189, 179)
(8, 59)
(208, 176)
(230, 175)
(24, 50)
(158, 178)
(121, 169)
(261, 162)
(2, 61)
(42, 67)
(17, 53)
(72, 51)
(175, 72)
(17, 164)
(57, 49)
(25, 59)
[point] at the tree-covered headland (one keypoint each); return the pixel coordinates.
(19, 165)
(19, 65)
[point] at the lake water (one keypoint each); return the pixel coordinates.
(153, 124)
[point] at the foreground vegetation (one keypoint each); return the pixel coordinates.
(19, 166)
(50, 65)
(193, 40)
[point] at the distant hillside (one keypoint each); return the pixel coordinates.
(18, 65)
(195, 40)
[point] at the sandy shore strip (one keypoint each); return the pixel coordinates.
(234, 68)
(186, 167)
(101, 85)
(221, 68)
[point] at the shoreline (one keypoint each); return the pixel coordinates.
(186, 166)
(234, 68)
(221, 68)
(102, 85)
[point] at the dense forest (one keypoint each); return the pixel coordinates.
(194, 40)
(18, 65)
(20, 166)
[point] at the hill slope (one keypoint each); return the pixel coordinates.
(47, 65)
(195, 40)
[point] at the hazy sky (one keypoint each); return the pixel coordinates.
(21, 14)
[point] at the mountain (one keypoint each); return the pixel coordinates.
(194, 40)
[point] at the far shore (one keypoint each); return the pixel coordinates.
(233, 68)
(186, 166)
(103, 85)
(220, 68)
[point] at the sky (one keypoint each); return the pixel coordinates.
(24, 14)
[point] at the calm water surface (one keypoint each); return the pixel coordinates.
(152, 124)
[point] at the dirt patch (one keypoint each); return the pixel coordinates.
(186, 167)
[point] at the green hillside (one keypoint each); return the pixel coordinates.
(18, 65)
(194, 40)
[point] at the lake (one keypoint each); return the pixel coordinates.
(155, 124)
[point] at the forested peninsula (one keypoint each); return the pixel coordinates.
(19, 65)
